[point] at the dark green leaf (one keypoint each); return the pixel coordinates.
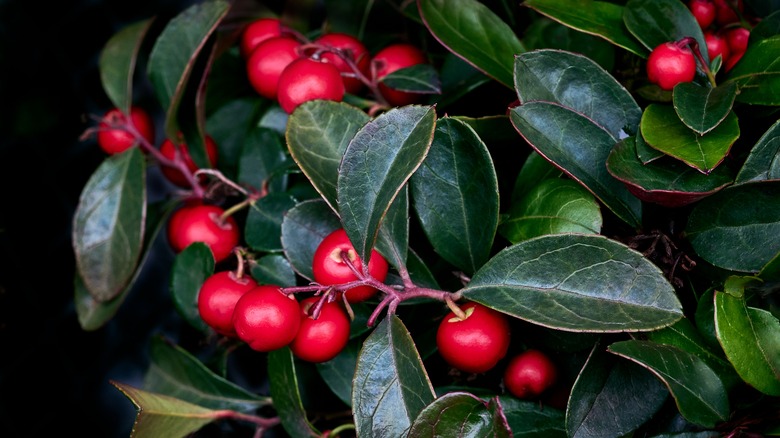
(462, 413)
(393, 238)
(264, 221)
(535, 169)
(390, 386)
(377, 163)
(118, 60)
(580, 148)
(763, 162)
(230, 126)
(190, 269)
(705, 318)
(655, 22)
(545, 33)
(262, 161)
(108, 225)
(644, 152)
(578, 283)
(703, 108)
(458, 78)
(337, 372)
(273, 269)
(472, 31)
(286, 394)
(490, 128)
(455, 195)
(601, 18)
(737, 228)
(420, 78)
(757, 74)
(303, 228)
(530, 419)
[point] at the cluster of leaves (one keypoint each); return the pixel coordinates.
(634, 233)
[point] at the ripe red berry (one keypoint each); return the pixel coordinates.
(267, 61)
(703, 11)
(737, 39)
(476, 343)
(113, 139)
(330, 269)
(217, 298)
(321, 339)
(266, 318)
(306, 79)
(724, 11)
(174, 175)
(390, 59)
(203, 223)
(717, 45)
(529, 374)
(733, 59)
(352, 48)
(258, 31)
(669, 64)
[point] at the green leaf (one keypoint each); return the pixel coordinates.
(577, 283)
(318, 133)
(604, 388)
(172, 58)
(750, 337)
(580, 148)
(455, 195)
(475, 33)
(655, 22)
(174, 372)
(763, 162)
(393, 239)
(545, 33)
(534, 170)
(118, 60)
(191, 268)
(703, 108)
(273, 269)
(600, 18)
(490, 129)
(286, 393)
(757, 74)
(262, 160)
(390, 386)
(460, 412)
(530, 419)
(578, 83)
(662, 129)
(737, 228)
(644, 152)
(303, 228)
(554, 206)
(420, 78)
(696, 389)
(377, 163)
(337, 372)
(108, 225)
(263, 227)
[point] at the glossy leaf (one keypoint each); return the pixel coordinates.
(737, 228)
(273, 269)
(535, 170)
(663, 130)
(530, 419)
(577, 283)
(393, 239)
(578, 83)
(751, 340)
(390, 385)
(172, 58)
(377, 163)
(118, 60)
(601, 18)
(763, 162)
(175, 372)
(191, 268)
(262, 160)
(644, 152)
(757, 74)
(655, 22)
(703, 108)
(475, 33)
(580, 148)
(337, 372)
(545, 33)
(554, 206)
(318, 133)
(604, 388)
(303, 228)
(455, 195)
(420, 78)
(697, 391)
(108, 225)
(462, 412)
(286, 393)
(263, 227)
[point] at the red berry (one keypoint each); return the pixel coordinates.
(174, 175)
(716, 45)
(114, 140)
(724, 12)
(703, 11)
(330, 269)
(321, 339)
(352, 48)
(306, 79)
(733, 59)
(476, 343)
(737, 39)
(217, 298)
(669, 64)
(267, 61)
(258, 31)
(203, 223)
(266, 318)
(390, 59)
(529, 374)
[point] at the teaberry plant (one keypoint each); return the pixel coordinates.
(447, 217)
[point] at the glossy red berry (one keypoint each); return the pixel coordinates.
(266, 318)
(717, 45)
(267, 62)
(476, 343)
(390, 59)
(217, 299)
(349, 47)
(733, 59)
(174, 175)
(703, 11)
(113, 139)
(724, 11)
(669, 64)
(737, 39)
(322, 339)
(306, 79)
(529, 374)
(258, 31)
(203, 223)
(330, 269)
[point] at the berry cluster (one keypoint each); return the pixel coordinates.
(723, 23)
